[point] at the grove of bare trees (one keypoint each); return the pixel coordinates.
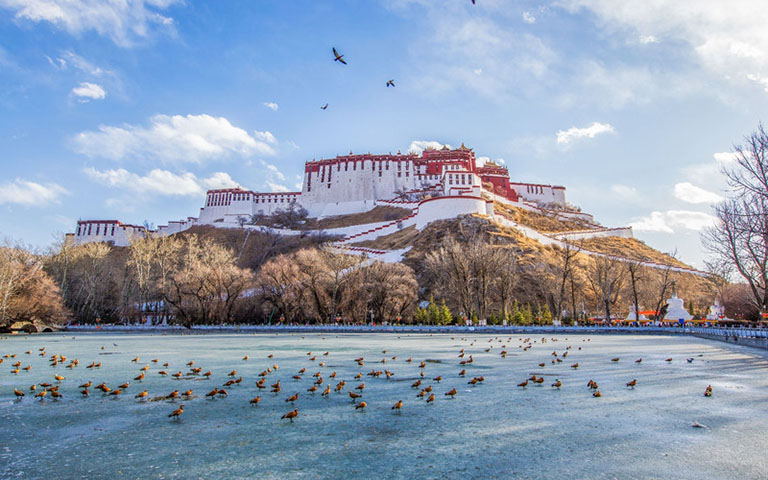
(739, 239)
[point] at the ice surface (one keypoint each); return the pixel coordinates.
(492, 430)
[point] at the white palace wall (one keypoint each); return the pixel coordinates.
(440, 208)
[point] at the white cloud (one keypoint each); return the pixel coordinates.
(160, 182)
(174, 139)
(624, 191)
(277, 173)
(418, 146)
(729, 39)
(31, 194)
(89, 91)
(646, 39)
(725, 158)
(480, 54)
(690, 193)
(566, 137)
(70, 58)
(667, 222)
(528, 17)
(276, 187)
(265, 136)
(271, 105)
(124, 22)
(219, 180)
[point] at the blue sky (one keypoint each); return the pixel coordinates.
(131, 110)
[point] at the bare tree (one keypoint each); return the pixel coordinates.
(390, 289)
(636, 274)
(606, 278)
(506, 277)
(566, 265)
(664, 283)
(740, 237)
(451, 271)
(339, 265)
(27, 292)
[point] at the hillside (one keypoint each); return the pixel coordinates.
(538, 263)
(543, 222)
(631, 248)
(256, 247)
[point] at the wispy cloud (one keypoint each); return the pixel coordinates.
(528, 17)
(624, 191)
(125, 23)
(271, 105)
(567, 137)
(690, 193)
(673, 220)
(174, 139)
(727, 39)
(160, 182)
(480, 54)
(276, 187)
(31, 194)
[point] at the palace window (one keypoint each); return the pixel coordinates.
(97, 229)
(346, 166)
(113, 230)
(406, 173)
(379, 172)
(329, 185)
(387, 166)
(78, 230)
(398, 174)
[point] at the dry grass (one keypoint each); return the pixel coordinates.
(630, 248)
(541, 222)
(260, 247)
(393, 241)
(378, 214)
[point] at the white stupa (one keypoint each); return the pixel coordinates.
(632, 310)
(677, 309)
(716, 312)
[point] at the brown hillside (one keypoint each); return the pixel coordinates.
(261, 245)
(539, 264)
(540, 221)
(393, 241)
(630, 248)
(378, 214)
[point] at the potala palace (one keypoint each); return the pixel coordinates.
(435, 185)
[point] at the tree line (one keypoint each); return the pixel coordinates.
(473, 273)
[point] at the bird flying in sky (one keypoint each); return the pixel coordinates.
(338, 57)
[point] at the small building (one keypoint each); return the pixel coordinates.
(113, 232)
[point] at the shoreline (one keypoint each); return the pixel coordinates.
(331, 328)
(757, 338)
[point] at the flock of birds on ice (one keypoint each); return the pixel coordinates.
(426, 389)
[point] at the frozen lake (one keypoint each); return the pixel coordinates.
(494, 429)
